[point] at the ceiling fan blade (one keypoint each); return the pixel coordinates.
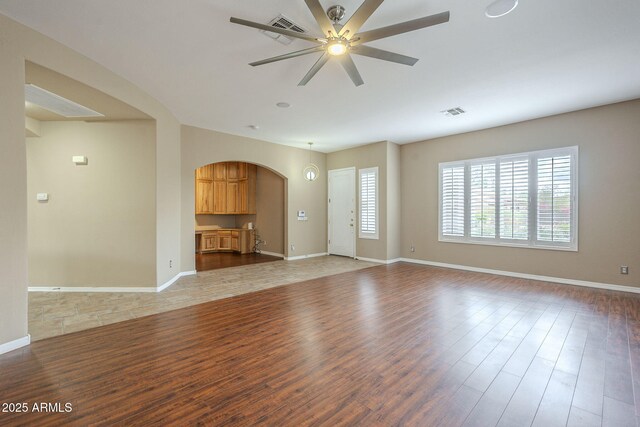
(360, 17)
(403, 27)
(321, 17)
(372, 52)
(288, 55)
(350, 67)
(269, 28)
(316, 67)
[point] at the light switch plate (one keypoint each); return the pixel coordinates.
(80, 160)
(42, 197)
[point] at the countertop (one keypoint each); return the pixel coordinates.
(205, 228)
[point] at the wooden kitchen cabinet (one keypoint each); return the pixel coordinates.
(227, 188)
(220, 171)
(204, 196)
(223, 240)
(242, 170)
(219, 197)
(235, 240)
(232, 171)
(209, 242)
(205, 172)
(233, 205)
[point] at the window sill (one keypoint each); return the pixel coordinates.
(572, 248)
(372, 237)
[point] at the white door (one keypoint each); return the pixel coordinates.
(342, 207)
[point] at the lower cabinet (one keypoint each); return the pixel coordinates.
(235, 240)
(240, 240)
(224, 240)
(208, 242)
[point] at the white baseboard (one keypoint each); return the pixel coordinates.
(91, 289)
(379, 261)
(173, 280)
(561, 280)
(116, 289)
(293, 258)
(15, 344)
(271, 253)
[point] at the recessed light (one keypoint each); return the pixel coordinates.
(283, 105)
(500, 8)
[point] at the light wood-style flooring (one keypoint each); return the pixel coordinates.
(57, 313)
(389, 345)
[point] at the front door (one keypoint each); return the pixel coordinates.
(342, 207)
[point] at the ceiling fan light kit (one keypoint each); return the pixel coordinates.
(340, 41)
(336, 48)
(500, 8)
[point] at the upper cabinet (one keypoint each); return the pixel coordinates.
(226, 188)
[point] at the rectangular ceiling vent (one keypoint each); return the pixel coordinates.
(453, 112)
(56, 104)
(285, 23)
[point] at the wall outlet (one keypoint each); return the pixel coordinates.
(624, 269)
(412, 248)
(170, 263)
(293, 247)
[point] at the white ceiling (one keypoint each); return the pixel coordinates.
(546, 57)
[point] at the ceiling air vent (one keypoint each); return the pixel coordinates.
(285, 23)
(453, 112)
(55, 103)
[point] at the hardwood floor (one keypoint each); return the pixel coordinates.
(388, 345)
(214, 261)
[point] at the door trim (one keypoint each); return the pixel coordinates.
(355, 211)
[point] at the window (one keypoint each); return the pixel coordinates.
(368, 203)
(527, 199)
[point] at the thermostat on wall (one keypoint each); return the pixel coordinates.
(302, 216)
(80, 160)
(42, 197)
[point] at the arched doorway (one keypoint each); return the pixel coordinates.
(239, 215)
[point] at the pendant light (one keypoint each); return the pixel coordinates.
(310, 171)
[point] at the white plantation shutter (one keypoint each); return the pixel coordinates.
(554, 199)
(369, 203)
(482, 204)
(527, 199)
(452, 201)
(514, 199)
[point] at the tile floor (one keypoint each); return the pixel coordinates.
(57, 313)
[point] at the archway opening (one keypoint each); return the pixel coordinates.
(239, 215)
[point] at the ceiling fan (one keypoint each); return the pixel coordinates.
(340, 41)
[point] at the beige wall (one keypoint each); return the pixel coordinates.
(13, 194)
(362, 157)
(17, 44)
(609, 194)
(270, 206)
(201, 147)
(394, 189)
(98, 227)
